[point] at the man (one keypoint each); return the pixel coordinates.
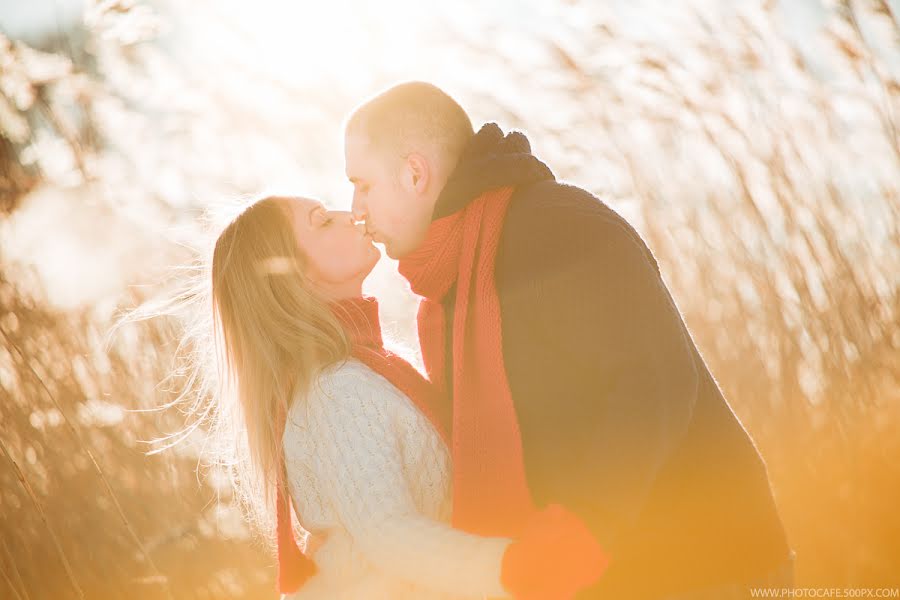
(569, 375)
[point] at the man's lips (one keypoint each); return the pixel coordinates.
(369, 233)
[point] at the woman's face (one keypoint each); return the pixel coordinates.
(340, 254)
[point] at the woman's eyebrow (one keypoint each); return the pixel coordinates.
(314, 209)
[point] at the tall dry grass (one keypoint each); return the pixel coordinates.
(86, 513)
(785, 262)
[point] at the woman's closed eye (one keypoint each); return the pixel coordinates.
(323, 217)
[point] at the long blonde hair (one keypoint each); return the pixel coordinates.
(255, 336)
(273, 331)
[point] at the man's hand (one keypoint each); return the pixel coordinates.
(554, 558)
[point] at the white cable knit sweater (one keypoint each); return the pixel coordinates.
(368, 472)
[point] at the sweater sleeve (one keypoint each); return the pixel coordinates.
(357, 466)
(609, 329)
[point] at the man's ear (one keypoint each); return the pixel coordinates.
(419, 172)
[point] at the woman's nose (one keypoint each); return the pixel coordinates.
(344, 217)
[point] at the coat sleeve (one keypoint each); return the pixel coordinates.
(608, 327)
(357, 467)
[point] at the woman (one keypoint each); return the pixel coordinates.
(345, 429)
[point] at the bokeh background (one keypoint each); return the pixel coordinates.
(753, 144)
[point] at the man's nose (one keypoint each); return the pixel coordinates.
(358, 209)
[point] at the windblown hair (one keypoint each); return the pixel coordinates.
(256, 335)
(410, 116)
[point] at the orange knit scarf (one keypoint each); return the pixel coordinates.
(490, 492)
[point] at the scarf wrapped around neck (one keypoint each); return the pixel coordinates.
(554, 555)
(490, 492)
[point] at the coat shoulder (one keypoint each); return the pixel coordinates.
(549, 222)
(559, 200)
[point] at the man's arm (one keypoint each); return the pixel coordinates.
(611, 334)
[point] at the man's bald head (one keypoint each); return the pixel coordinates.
(400, 148)
(413, 117)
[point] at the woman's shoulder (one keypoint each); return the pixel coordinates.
(347, 401)
(346, 385)
(350, 376)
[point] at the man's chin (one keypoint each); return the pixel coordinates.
(399, 249)
(393, 249)
(389, 249)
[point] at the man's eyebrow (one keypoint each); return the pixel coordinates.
(353, 179)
